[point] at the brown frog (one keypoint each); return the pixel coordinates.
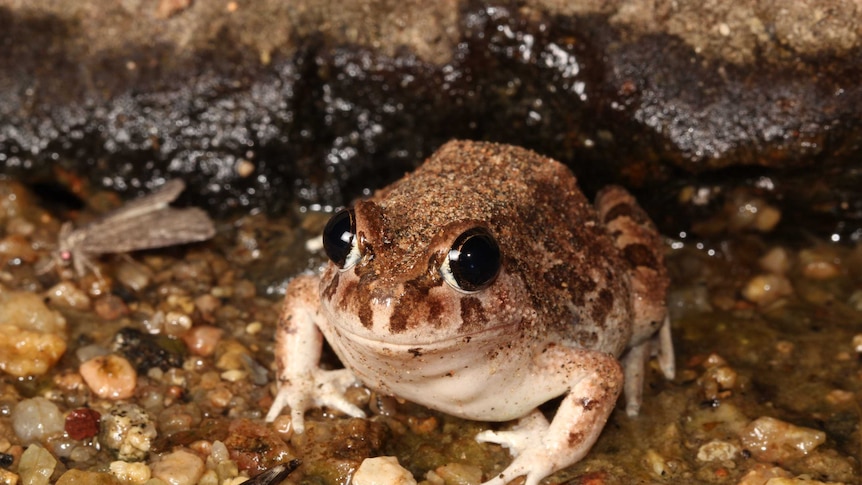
(482, 285)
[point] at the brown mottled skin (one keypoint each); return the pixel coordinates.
(578, 287)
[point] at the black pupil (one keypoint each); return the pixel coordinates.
(338, 236)
(475, 259)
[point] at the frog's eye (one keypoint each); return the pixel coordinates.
(339, 239)
(473, 262)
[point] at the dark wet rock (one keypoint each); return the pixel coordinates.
(146, 351)
(314, 102)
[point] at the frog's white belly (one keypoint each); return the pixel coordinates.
(455, 377)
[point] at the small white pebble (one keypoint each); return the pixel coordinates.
(66, 295)
(717, 450)
(382, 470)
(179, 467)
(253, 328)
(36, 419)
(219, 452)
(234, 375)
(136, 473)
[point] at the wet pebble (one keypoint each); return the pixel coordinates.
(66, 294)
(81, 477)
(110, 307)
(146, 351)
(460, 473)
(717, 450)
(82, 423)
(135, 473)
(128, 431)
(36, 466)
(203, 339)
(179, 467)
(255, 447)
(110, 377)
(767, 288)
(772, 440)
(31, 335)
(36, 419)
(133, 275)
(382, 470)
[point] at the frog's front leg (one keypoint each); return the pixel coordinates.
(594, 380)
(302, 384)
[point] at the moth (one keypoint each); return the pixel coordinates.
(147, 222)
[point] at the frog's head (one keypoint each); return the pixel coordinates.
(437, 286)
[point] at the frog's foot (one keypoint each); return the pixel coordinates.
(526, 434)
(635, 362)
(524, 442)
(318, 388)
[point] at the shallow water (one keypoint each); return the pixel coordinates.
(759, 332)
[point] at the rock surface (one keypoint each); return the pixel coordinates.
(321, 100)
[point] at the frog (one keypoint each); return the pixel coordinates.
(484, 284)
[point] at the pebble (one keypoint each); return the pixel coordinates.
(179, 467)
(128, 431)
(775, 261)
(382, 470)
(110, 377)
(767, 288)
(203, 339)
(717, 450)
(36, 419)
(66, 294)
(460, 473)
(133, 275)
(110, 307)
(81, 477)
(82, 423)
(31, 335)
(177, 324)
(772, 440)
(36, 466)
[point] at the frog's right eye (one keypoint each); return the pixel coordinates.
(340, 241)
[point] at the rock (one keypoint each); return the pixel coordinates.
(382, 470)
(31, 335)
(644, 93)
(110, 377)
(772, 440)
(81, 477)
(36, 466)
(36, 419)
(179, 467)
(128, 431)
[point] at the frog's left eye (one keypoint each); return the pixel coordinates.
(473, 262)
(339, 239)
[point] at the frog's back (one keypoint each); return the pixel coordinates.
(548, 232)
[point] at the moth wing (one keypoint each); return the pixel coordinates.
(148, 230)
(155, 201)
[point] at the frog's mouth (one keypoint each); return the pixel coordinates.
(419, 340)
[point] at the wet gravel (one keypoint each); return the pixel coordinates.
(161, 370)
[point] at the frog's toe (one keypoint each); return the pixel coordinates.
(533, 467)
(526, 434)
(331, 386)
